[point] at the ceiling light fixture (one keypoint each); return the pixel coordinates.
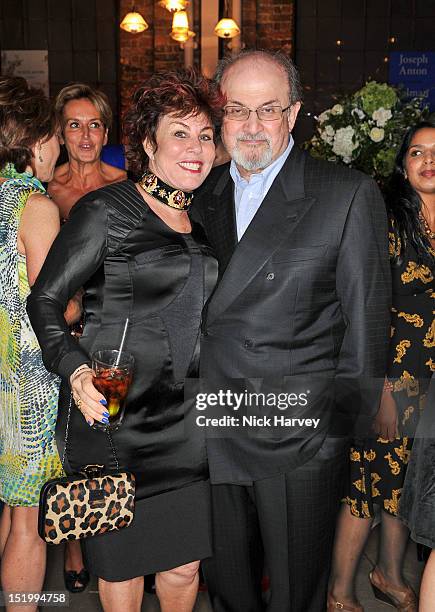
(180, 21)
(182, 36)
(227, 27)
(174, 5)
(133, 22)
(180, 27)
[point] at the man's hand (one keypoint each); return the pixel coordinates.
(74, 308)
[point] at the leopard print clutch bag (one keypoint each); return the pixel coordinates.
(90, 504)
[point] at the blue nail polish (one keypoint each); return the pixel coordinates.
(105, 414)
(105, 421)
(89, 423)
(103, 401)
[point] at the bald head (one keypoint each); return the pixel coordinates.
(258, 77)
(265, 58)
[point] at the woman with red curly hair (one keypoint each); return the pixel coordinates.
(138, 255)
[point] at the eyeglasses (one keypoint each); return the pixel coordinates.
(264, 113)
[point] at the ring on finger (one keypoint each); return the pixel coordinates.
(79, 404)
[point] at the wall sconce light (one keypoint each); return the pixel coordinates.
(182, 36)
(227, 27)
(133, 22)
(174, 5)
(180, 27)
(180, 21)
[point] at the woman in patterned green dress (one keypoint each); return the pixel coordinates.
(378, 466)
(29, 222)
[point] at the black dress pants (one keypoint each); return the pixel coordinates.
(286, 523)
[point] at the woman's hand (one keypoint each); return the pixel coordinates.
(386, 421)
(88, 399)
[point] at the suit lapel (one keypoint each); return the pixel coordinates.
(221, 221)
(278, 216)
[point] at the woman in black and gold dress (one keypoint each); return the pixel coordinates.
(377, 467)
(137, 254)
(417, 505)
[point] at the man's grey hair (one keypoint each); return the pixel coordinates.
(278, 57)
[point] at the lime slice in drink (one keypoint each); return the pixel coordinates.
(113, 407)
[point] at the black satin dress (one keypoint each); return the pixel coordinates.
(131, 264)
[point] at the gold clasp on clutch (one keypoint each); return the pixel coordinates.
(93, 470)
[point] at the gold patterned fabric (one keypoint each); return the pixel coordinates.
(377, 467)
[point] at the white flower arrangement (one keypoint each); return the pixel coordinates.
(364, 130)
(344, 143)
(337, 109)
(381, 116)
(377, 134)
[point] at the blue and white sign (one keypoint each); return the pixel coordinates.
(415, 72)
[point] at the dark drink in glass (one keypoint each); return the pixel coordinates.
(112, 378)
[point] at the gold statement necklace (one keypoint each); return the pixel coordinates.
(174, 198)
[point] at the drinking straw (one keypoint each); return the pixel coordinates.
(121, 346)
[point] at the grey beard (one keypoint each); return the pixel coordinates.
(253, 159)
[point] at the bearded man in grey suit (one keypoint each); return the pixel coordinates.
(304, 291)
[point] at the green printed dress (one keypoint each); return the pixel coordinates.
(377, 466)
(28, 393)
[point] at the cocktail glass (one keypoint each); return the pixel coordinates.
(113, 376)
